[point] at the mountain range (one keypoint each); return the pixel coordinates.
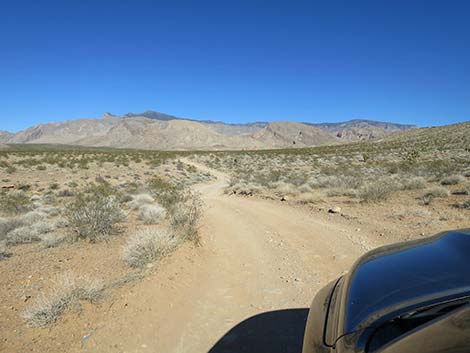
(154, 130)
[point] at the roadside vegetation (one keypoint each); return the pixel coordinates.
(429, 163)
(58, 199)
(78, 222)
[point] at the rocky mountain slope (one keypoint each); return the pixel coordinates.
(153, 130)
(354, 130)
(5, 136)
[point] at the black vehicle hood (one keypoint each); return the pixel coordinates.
(406, 274)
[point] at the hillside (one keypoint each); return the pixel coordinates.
(5, 136)
(154, 130)
(354, 130)
(290, 134)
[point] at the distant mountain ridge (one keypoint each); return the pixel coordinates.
(154, 130)
(362, 129)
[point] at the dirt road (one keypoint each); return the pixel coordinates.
(247, 287)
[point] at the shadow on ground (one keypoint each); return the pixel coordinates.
(273, 332)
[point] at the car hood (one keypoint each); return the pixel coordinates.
(404, 275)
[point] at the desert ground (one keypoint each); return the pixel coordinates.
(108, 250)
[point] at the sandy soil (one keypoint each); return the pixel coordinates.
(246, 289)
(260, 261)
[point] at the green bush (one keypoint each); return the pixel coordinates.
(14, 202)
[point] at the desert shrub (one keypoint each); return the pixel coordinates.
(285, 188)
(28, 233)
(414, 183)
(377, 191)
(65, 193)
(54, 186)
(452, 180)
(151, 214)
(147, 246)
(93, 214)
(41, 167)
(243, 189)
(466, 189)
(341, 192)
(51, 240)
(15, 202)
(10, 169)
(465, 204)
(68, 289)
(309, 197)
(35, 198)
(50, 211)
(437, 192)
(166, 193)
(434, 193)
(42, 227)
(140, 200)
(9, 224)
(185, 217)
(3, 251)
(33, 217)
(22, 235)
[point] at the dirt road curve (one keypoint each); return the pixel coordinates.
(249, 286)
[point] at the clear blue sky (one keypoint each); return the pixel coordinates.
(399, 60)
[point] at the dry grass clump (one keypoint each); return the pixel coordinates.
(185, 217)
(309, 197)
(9, 224)
(151, 214)
(140, 200)
(341, 192)
(51, 240)
(93, 214)
(147, 246)
(415, 183)
(437, 192)
(22, 235)
(453, 180)
(68, 290)
(29, 233)
(377, 191)
(33, 217)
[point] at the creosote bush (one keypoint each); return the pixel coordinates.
(185, 217)
(93, 214)
(14, 202)
(183, 206)
(377, 191)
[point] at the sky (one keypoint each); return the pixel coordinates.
(406, 61)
